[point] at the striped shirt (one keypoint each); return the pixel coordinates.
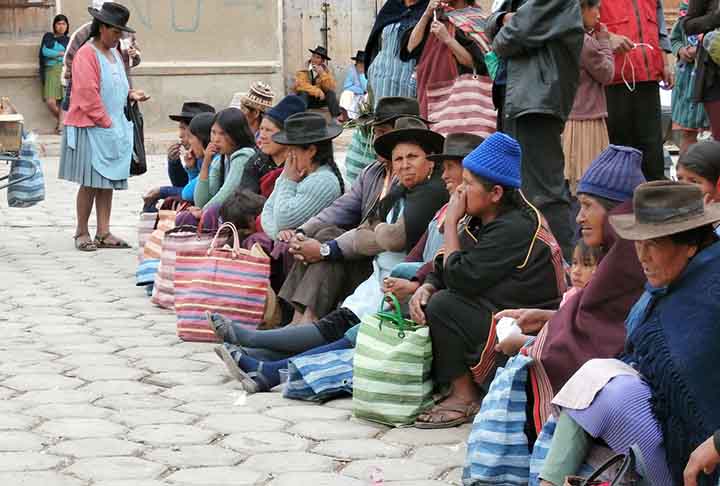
(388, 75)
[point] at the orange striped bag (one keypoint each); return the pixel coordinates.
(231, 281)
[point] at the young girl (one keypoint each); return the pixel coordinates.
(700, 165)
(585, 261)
(586, 134)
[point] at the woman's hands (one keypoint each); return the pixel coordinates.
(432, 6)
(189, 159)
(286, 235)
(529, 320)
(418, 302)
(402, 289)
(688, 53)
(138, 95)
(511, 345)
(456, 208)
(440, 31)
(291, 169)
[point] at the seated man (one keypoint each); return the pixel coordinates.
(181, 166)
(355, 86)
(316, 85)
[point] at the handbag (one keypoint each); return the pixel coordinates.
(138, 163)
(146, 271)
(629, 463)
(391, 368)
(26, 184)
(229, 280)
(191, 240)
(320, 377)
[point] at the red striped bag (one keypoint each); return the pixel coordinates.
(463, 105)
(230, 280)
(146, 225)
(188, 239)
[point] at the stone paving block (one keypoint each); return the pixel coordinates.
(315, 479)
(131, 482)
(55, 330)
(84, 361)
(195, 456)
(174, 378)
(29, 461)
(202, 392)
(262, 401)
(98, 348)
(12, 406)
(124, 402)
(9, 421)
(121, 387)
(329, 430)
(99, 372)
(341, 403)
(254, 443)
(208, 357)
(118, 324)
(159, 351)
(67, 410)
(422, 437)
(300, 413)
(444, 457)
(25, 356)
(232, 403)
(6, 393)
(39, 479)
(171, 434)
(277, 462)
(124, 337)
(107, 468)
(44, 319)
(150, 416)
(353, 449)
(99, 315)
(392, 469)
(427, 482)
(80, 428)
(46, 367)
(454, 477)
(216, 476)
(40, 397)
(231, 423)
(162, 365)
(17, 440)
(96, 447)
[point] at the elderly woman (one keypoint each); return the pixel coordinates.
(662, 395)
(504, 257)
(97, 143)
(52, 52)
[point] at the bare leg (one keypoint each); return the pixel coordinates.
(103, 207)
(464, 399)
(52, 105)
(310, 316)
(83, 208)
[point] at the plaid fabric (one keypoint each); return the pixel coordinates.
(472, 21)
(320, 377)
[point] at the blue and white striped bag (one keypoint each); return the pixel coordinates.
(146, 271)
(320, 377)
(28, 170)
(497, 446)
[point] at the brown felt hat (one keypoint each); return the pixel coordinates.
(664, 208)
(410, 130)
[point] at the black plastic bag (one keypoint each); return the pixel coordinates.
(138, 164)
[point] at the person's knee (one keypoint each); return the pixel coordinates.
(438, 306)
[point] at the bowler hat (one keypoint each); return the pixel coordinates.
(112, 14)
(663, 208)
(359, 57)
(190, 109)
(411, 130)
(287, 107)
(307, 127)
(457, 146)
(390, 108)
(320, 51)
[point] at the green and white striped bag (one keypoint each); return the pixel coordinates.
(391, 369)
(359, 155)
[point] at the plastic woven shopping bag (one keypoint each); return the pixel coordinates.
(391, 369)
(27, 184)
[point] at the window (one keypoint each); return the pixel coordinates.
(25, 20)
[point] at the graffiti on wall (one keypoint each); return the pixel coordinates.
(187, 15)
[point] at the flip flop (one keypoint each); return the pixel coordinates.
(468, 415)
(235, 371)
(118, 244)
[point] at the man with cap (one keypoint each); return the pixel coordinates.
(316, 84)
(355, 86)
(182, 167)
(329, 239)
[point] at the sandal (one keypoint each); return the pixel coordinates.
(221, 326)
(85, 244)
(435, 418)
(235, 371)
(110, 241)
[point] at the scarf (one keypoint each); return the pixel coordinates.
(673, 341)
(392, 12)
(472, 21)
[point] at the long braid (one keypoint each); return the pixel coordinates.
(336, 170)
(324, 156)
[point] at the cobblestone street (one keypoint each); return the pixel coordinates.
(96, 389)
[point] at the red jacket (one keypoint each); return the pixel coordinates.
(638, 21)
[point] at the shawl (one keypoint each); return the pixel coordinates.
(392, 12)
(48, 41)
(674, 341)
(591, 324)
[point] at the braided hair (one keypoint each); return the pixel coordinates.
(512, 198)
(324, 156)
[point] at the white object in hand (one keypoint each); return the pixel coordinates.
(506, 327)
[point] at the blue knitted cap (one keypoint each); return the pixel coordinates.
(614, 174)
(497, 160)
(287, 107)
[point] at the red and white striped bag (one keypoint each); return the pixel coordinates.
(146, 226)
(463, 105)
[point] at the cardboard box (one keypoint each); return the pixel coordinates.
(11, 133)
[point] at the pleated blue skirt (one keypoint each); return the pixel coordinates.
(76, 164)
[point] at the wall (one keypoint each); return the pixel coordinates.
(192, 49)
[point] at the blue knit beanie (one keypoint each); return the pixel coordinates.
(614, 174)
(497, 160)
(287, 107)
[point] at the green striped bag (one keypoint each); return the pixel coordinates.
(360, 154)
(391, 369)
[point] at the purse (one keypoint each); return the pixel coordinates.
(138, 163)
(629, 463)
(391, 368)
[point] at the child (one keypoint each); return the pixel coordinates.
(585, 261)
(700, 165)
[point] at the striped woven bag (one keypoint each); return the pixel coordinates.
(230, 280)
(463, 105)
(391, 369)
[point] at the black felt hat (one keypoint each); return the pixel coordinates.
(321, 51)
(190, 109)
(457, 146)
(410, 130)
(359, 57)
(306, 127)
(114, 15)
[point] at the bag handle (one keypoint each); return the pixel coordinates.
(236, 238)
(632, 461)
(607, 465)
(395, 317)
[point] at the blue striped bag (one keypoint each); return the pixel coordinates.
(146, 271)
(27, 184)
(497, 446)
(391, 370)
(320, 377)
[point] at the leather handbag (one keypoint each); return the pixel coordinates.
(631, 471)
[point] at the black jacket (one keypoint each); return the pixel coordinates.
(702, 17)
(541, 46)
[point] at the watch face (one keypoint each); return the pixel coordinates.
(325, 250)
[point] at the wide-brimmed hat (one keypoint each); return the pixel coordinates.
(412, 130)
(114, 15)
(663, 208)
(390, 108)
(457, 146)
(306, 127)
(358, 57)
(260, 97)
(190, 109)
(321, 51)
(497, 160)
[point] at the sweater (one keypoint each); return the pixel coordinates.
(87, 109)
(293, 203)
(315, 86)
(597, 68)
(223, 178)
(53, 55)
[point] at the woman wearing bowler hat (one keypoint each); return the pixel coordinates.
(97, 143)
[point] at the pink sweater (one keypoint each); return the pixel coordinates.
(87, 108)
(597, 68)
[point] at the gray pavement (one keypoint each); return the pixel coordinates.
(95, 388)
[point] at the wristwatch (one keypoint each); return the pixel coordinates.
(325, 251)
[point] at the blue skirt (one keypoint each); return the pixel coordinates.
(76, 164)
(685, 112)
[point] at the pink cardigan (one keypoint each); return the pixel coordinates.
(86, 105)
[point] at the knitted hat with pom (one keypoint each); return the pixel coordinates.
(614, 174)
(497, 160)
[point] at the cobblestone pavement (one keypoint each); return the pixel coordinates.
(95, 389)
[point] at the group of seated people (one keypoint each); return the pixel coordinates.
(614, 349)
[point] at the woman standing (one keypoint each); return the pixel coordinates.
(52, 51)
(97, 142)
